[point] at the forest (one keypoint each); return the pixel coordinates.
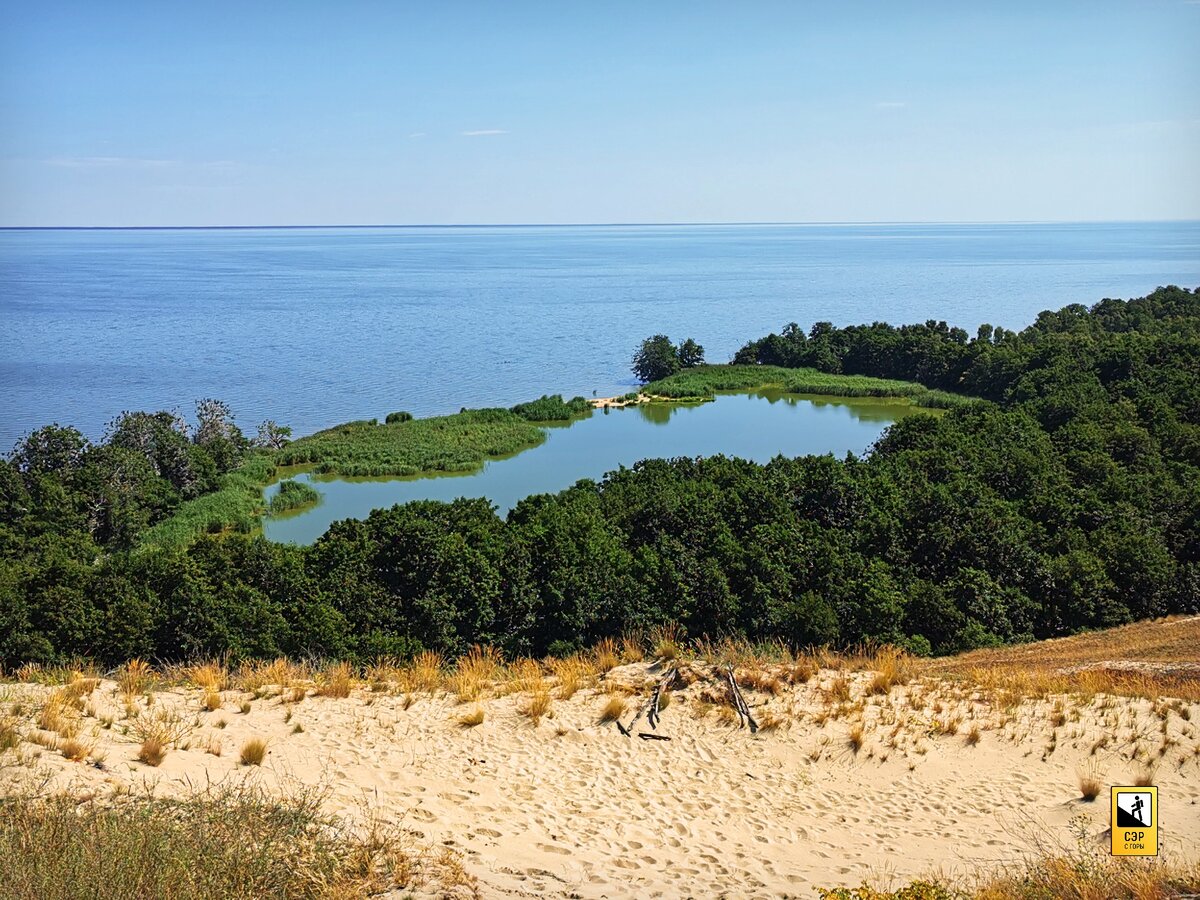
(1066, 498)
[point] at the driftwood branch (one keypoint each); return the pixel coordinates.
(647, 736)
(739, 702)
(650, 708)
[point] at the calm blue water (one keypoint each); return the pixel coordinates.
(318, 326)
(758, 425)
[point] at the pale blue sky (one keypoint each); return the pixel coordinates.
(213, 113)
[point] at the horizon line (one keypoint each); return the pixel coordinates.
(814, 223)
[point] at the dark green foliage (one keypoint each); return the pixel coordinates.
(658, 358)
(552, 408)
(1069, 499)
(394, 418)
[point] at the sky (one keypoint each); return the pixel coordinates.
(274, 113)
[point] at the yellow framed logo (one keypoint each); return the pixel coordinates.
(1135, 821)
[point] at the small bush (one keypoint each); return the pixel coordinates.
(1090, 784)
(473, 718)
(395, 418)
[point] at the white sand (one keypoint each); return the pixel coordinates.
(571, 808)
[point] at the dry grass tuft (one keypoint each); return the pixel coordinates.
(606, 655)
(472, 718)
(134, 678)
(667, 642)
(211, 700)
(572, 674)
(424, 673)
(211, 677)
(336, 681)
(253, 752)
(474, 672)
(537, 706)
(152, 752)
(75, 749)
(1091, 783)
(1145, 777)
(769, 720)
(856, 737)
(613, 709)
(838, 690)
(973, 735)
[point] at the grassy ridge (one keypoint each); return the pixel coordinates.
(701, 382)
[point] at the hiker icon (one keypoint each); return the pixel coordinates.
(1133, 810)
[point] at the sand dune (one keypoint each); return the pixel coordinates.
(570, 807)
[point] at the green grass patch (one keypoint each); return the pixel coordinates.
(235, 506)
(702, 383)
(457, 443)
(292, 495)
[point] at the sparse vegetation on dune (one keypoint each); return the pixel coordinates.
(231, 843)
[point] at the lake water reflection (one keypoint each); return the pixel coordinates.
(758, 425)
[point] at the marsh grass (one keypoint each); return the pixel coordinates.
(702, 383)
(292, 495)
(155, 849)
(457, 443)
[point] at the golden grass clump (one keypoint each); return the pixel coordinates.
(474, 672)
(613, 708)
(471, 719)
(838, 690)
(667, 642)
(800, 670)
(524, 675)
(856, 737)
(253, 752)
(537, 705)
(1145, 776)
(211, 677)
(424, 673)
(164, 727)
(152, 752)
(336, 680)
(75, 749)
(60, 714)
(769, 720)
(974, 735)
(211, 700)
(632, 648)
(134, 678)
(572, 673)
(606, 655)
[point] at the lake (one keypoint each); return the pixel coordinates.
(757, 425)
(317, 326)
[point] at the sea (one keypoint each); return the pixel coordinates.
(315, 326)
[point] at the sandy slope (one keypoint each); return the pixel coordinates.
(570, 807)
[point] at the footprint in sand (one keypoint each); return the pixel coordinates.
(550, 848)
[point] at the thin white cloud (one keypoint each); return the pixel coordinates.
(890, 104)
(417, 134)
(108, 162)
(484, 132)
